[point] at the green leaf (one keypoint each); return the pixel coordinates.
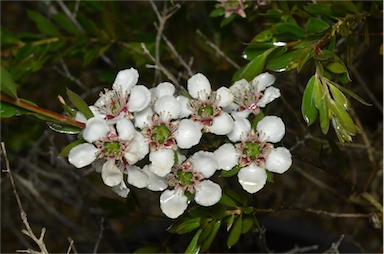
(64, 128)
(295, 30)
(287, 61)
(217, 12)
(79, 103)
(253, 68)
(230, 173)
(228, 20)
(193, 246)
(226, 200)
(308, 108)
(263, 36)
(206, 243)
(343, 117)
(8, 86)
(321, 102)
(247, 224)
(336, 67)
(352, 94)
(43, 24)
(235, 233)
(339, 97)
(185, 225)
(7, 37)
(65, 151)
(8, 110)
(269, 176)
(65, 23)
(315, 25)
(319, 9)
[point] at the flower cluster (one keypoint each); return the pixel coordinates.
(133, 125)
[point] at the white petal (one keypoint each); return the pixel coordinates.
(231, 107)
(125, 129)
(227, 156)
(125, 80)
(137, 177)
(80, 117)
(165, 88)
(104, 99)
(208, 193)
(172, 203)
(185, 110)
(167, 107)
(82, 155)
(239, 88)
(139, 98)
(279, 160)
(137, 149)
(122, 190)
(96, 112)
(241, 128)
(198, 85)
(252, 178)
(243, 113)
(155, 183)
(188, 134)
(270, 94)
(205, 163)
(262, 81)
(222, 124)
(162, 161)
(143, 118)
(96, 128)
(111, 174)
(271, 128)
(224, 96)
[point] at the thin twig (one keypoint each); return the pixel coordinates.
(71, 242)
(28, 231)
(100, 235)
(66, 73)
(218, 50)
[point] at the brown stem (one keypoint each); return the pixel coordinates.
(45, 112)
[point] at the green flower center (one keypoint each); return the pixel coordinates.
(252, 150)
(160, 134)
(111, 148)
(185, 178)
(205, 111)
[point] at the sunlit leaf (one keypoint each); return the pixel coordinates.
(344, 118)
(339, 97)
(64, 128)
(185, 225)
(308, 108)
(352, 94)
(336, 67)
(235, 233)
(79, 103)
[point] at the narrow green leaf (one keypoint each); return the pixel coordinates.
(193, 246)
(269, 176)
(308, 108)
(253, 68)
(207, 229)
(230, 221)
(319, 9)
(185, 225)
(8, 110)
(324, 115)
(295, 30)
(287, 61)
(235, 233)
(247, 224)
(263, 36)
(352, 94)
(336, 67)
(43, 24)
(344, 118)
(226, 200)
(315, 25)
(64, 128)
(230, 173)
(339, 97)
(8, 86)
(79, 103)
(217, 12)
(208, 242)
(65, 151)
(65, 23)
(7, 37)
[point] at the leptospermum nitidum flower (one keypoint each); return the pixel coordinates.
(125, 98)
(254, 154)
(250, 97)
(190, 179)
(119, 146)
(164, 134)
(205, 107)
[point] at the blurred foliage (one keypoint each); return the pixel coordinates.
(75, 48)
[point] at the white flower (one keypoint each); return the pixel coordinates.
(125, 98)
(191, 176)
(205, 107)
(250, 97)
(118, 145)
(253, 154)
